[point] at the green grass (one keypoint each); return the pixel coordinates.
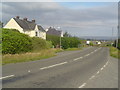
(114, 52)
(72, 49)
(30, 56)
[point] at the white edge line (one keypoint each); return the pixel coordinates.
(82, 85)
(53, 65)
(7, 76)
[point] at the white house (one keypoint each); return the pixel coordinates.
(53, 31)
(27, 27)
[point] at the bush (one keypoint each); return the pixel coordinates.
(49, 44)
(15, 42)
(70, 42)
(54, 39)
(39, 44)
(66, 42)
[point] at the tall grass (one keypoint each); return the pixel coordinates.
(114, 52)
(72, 49)
(30, 56)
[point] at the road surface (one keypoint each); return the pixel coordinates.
(88, 68)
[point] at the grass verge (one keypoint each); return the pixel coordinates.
(114, 52)
(72, 49)
(30, 56)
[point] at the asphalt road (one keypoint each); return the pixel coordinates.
(88, 68)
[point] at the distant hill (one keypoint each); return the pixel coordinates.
(99, 37)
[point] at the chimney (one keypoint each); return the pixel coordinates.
(25, 19)
(33, 20)
(17, 17)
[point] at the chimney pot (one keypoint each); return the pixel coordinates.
(33, 20)
(17, 17)
(25, 19)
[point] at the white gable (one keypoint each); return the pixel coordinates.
(12, 24)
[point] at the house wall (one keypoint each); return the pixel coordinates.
(12, 24)
(43, 34)
(31, 33)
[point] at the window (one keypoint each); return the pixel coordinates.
(36, 34)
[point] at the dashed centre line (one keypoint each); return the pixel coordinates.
(7, 77)
(53, 65)
(98, 72)
(77, 58)
(82, 85)
(93, 75)
(102, 68)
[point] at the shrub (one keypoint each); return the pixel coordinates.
(15, 42)
(66, 42)
(54, 39)
(39, 44)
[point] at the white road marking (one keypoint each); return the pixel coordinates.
(77, 58)
(92, 52)
(87, 55)
(102, 68)
(29, 71)
(98, 72)
(82, 85)
(53, 65)
(80, 57)
(107, 63)
(92, 77)
(7, 76)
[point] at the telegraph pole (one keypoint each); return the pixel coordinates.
(60, 38)
(112, 33)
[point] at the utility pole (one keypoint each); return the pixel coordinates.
(60, 41)
(60, 38)
(117, 36)
(112, 33)
(112, 37)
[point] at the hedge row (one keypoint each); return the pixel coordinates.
(66, 42)
(15, 42)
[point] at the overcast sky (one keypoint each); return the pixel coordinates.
(77, 18)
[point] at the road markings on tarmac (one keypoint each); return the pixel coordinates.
(82, 85)
(54, 65)
(29, 71)
(7, 77)
(102, 68)
(77, 58)
(98, 72)
(92, 77)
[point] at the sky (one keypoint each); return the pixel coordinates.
(77, 18)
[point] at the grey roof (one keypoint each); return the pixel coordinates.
(27, 25)
(40, 28)
(53, 31)
(22, 23)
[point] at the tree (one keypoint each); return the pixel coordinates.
(1, 24)
(66, 34)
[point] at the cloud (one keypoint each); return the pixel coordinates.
(54, 14)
